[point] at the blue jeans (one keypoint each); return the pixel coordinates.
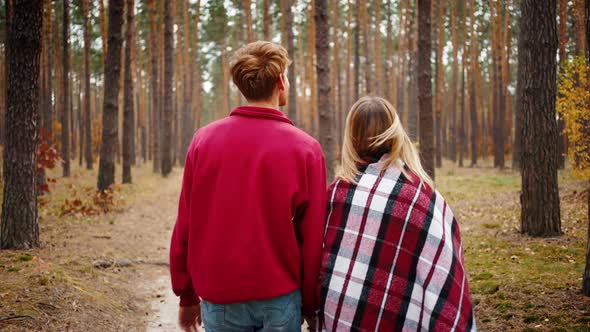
(282, 313)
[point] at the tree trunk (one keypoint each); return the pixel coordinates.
(357, 50)
(196, 100)
(563, 40)
(579, 25)
(473, 51)
(266, 28)
(168, 82)
(86, 5)
(425, 87)
(323, 74)
(103, 30)
(377, 39)
(292, 108)
(389, 67)
(366, 47)
(154, 87)
(455, 70)
(439, 80)
(248, 10)
(19, 228)
(540, 211)
(128, 110)
(187, 115)
(586, 277)
(48, 110)
(66, 115)
(110, 114)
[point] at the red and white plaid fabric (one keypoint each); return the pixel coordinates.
(393, 259)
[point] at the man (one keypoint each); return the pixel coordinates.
(248, 238)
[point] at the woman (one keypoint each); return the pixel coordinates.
(393, 258)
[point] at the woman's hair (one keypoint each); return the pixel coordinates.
(257, 67)
(373, 129)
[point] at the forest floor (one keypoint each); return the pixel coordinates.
(108, 272)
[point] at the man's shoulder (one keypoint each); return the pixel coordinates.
(304, 139)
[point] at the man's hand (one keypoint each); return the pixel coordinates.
(189, 317)
(311, 323)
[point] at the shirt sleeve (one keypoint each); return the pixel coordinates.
(181, 280)
(311, 230)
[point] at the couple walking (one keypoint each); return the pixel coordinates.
(260, 243)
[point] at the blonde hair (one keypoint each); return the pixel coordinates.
(373, 129)
(257, 67)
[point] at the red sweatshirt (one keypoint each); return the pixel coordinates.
(251, 215)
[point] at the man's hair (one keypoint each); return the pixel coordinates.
(257, 67)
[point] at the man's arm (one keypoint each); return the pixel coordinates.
(181, 280)
(311, 230)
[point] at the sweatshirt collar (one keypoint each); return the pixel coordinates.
(261, 112)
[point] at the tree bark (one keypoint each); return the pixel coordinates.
(586, 277)
(154, 88)
(357, 51)
(425, 87)
(378, 40)
(103, 30)
(187, 115)
(168, 92)
(540, 209)
(86, 8)
(473, 51)
(66, 115)
(19, 228)
(323, 74)
(248, 10)
(292, 108)
(110, 114)
(266, 18)
(563, 40)
(454, 92)
(196, 100)
(48, 110)
(439, 80)
(128, 109)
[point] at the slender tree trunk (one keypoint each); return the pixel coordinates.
(586, 277)
(103, 29)
(168, 85)
(579, 25)
(65, 120)
(540, 212)
(366, 47)
(563, 40)
(48, 111)
(389, 64)
(87, 8)
(439, 80)
(155, 88)
(196, 100)
(249, 30)
(425, 87)
(378, 40)
(19, 228)
(323, 73)
(292, 108)
(128, 111)
(455, 70)
(266, 18)
(473, 50)
(357, 50)
(110, 114)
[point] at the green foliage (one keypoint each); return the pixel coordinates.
(573, 105)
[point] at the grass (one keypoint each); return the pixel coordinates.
(517, 282)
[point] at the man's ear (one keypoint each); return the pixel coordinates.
(281, 82)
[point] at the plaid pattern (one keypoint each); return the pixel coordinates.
(393, 259)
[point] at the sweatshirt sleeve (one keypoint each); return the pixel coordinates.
(181, 280)
(311, 229)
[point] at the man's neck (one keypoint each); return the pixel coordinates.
(268, 104)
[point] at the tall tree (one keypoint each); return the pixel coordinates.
(86, 9)
(292, 108)
(357, 50)
(440, 28)
(66, 114)
(19, 226)
(455, 71)
(103, 29)
(266, 19)
(154, 88)
(196, 100)
(48, 110)
(586, 277)
(128, 110)
(379, 86)
(540, 210)
(167, 114)
(249, 30)
(473, 51)
(110, 113)
(187, 116)
(323, 74)
(425, 87)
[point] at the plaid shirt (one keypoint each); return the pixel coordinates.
(393, 259)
